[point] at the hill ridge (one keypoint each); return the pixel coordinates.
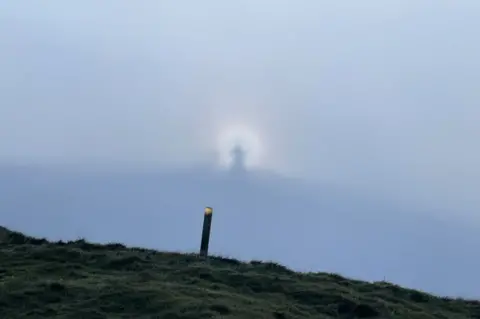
(79, 279)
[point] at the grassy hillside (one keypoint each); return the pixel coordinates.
(40, 279)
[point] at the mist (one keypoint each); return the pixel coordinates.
(378, 98)
(377, 95)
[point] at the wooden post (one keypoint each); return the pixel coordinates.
(207, 225)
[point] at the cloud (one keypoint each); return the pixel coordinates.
(381, 96)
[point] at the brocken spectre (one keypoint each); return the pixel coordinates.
(243, 137)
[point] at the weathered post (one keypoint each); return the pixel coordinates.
(207, 225)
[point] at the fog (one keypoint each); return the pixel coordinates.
(378, 97)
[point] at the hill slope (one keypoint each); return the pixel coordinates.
(40, 279)
(148, 209)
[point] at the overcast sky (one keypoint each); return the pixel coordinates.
(381, 94)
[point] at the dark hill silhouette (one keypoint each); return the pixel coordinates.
(258, 215)
(79, 279)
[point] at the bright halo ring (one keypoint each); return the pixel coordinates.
(242, 137)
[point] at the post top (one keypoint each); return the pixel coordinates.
(208, 210)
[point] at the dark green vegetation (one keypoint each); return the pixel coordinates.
(40, 279)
